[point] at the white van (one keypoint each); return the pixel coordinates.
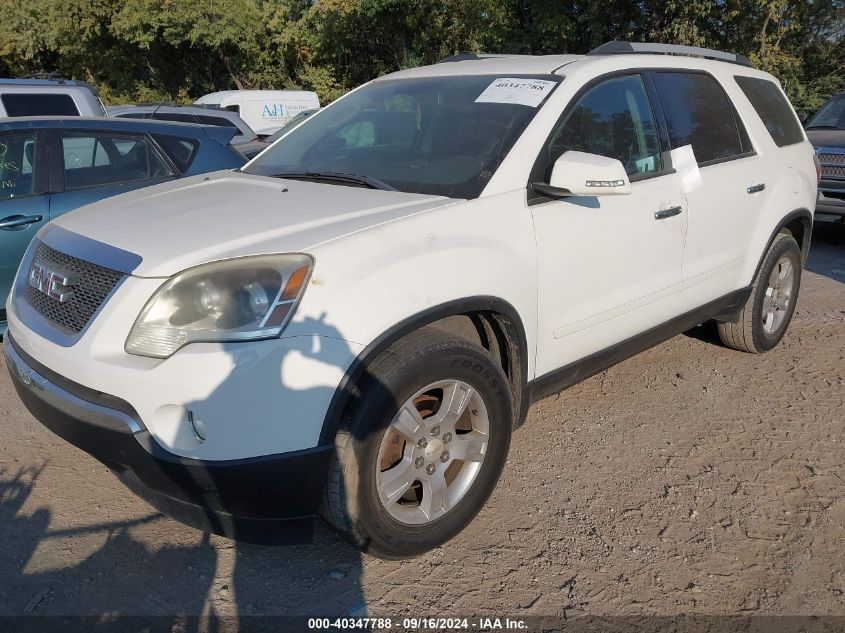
(265, 111)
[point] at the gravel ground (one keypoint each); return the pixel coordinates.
(690, 479)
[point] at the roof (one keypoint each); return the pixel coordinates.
(44, 85)
(106, 123)
(174, 109)
(494, 65)
(614, 54)
(213, 97)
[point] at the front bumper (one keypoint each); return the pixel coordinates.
(831, 197)
(268, 499)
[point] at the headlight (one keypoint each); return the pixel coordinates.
(232, 300)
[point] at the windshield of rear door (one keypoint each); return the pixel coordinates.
(434, 135)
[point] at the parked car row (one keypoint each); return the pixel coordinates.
(267, 111)
(78, 151)
(356, 321)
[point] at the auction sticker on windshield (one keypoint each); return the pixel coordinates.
(530, 92)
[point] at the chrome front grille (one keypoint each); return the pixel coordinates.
(832, 164)
(91, 285)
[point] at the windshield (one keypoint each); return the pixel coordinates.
(287, 127)
(434, 135)
(832, 115)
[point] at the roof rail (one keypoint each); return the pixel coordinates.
(621, 48)
(53, 75)
(462, 57)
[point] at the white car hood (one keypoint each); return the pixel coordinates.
(229, 214)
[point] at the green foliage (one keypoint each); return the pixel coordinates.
(152, 50)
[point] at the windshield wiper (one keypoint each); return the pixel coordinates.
(824, 127)
(329, 176)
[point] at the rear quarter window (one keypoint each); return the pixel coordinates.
(181, 151)
(22, 104)
(773, 109)
(699, 113)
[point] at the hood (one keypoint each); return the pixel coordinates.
(204, 218)
(827, 138)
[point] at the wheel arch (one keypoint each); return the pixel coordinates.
(799, 224)
(496, 322)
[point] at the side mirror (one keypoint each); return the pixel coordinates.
(582, 174)
(803, 117)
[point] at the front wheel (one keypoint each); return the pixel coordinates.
(419, 455)
(763, 320)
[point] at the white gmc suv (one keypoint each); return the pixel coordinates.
(357, 321)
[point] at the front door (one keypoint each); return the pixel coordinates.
(608, 265)
(24, 203)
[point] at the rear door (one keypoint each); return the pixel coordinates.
(100, 164)
(24, 203)
(723, 210)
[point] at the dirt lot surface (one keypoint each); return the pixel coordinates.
(689, 479)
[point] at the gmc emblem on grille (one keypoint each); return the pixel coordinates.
(54, 284)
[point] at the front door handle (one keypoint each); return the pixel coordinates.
(756, 188)
(662, 214)
(19, 222)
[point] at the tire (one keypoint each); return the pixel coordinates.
(753, 331)
(366, 445)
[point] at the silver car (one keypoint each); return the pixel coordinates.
(48, 97)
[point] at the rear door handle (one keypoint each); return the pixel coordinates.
(662, 214)
(19, 222)
(756, 188)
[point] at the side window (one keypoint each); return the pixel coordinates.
(180, 150)
(92, 160)
(773, 109)
(17, 164)
(43, 104)
(613, 119)
(698, 113)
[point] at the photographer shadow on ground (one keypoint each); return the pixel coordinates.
(155, 568)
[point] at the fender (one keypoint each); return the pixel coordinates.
(803, 214)
(358, 369)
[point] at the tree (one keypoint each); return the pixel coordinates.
(179, 49)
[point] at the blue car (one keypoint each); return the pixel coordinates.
(52, 165)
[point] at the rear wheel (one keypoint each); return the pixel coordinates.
(421, 452)
(766, 315)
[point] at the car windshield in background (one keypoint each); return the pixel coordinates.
(435, 135)
(831, 116)
(287, 127)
